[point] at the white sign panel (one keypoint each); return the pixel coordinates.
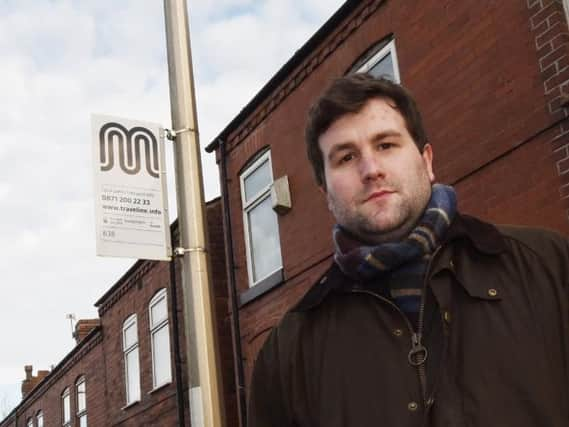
(131, 203)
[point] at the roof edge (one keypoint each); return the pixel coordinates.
(299, 56)
(84, 342)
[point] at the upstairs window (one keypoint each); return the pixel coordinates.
(379, 61)
(160, 339)
(66, 407)
(260, 221)
(39, 419)
(131, 360)
(30, 422)
(81, 389)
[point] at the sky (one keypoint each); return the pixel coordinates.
(63, 60)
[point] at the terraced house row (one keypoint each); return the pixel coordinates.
(492, 81)
(129, 365)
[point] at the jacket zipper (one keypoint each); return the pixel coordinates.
(417, 348)
(415, 342)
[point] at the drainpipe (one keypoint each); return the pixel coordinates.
(236, 335)
(176, 332)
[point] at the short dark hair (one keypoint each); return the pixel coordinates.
(348, 95)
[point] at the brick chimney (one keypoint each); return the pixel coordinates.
(83, 327)
(31, 381)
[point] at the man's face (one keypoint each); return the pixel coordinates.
(377, 181)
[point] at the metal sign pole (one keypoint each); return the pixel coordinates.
(206, 403)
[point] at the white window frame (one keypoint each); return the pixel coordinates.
(160, 297)
(81, 411)
(66, 407)
(39, 419)
(131, 321)
(248, 206)
(389, 48)
(30, 422)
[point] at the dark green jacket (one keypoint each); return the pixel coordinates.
(496, 328)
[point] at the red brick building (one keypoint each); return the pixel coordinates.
(129, 366)
(491, 79)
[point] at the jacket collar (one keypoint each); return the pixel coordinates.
(482, 236)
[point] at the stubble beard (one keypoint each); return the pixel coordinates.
(375, 227)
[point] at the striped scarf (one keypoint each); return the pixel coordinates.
(401, 265)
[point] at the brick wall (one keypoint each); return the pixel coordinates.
(223, 314)
(135, 300)
(159, 407)
(548, 25)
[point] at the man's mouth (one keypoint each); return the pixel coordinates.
(378, 195)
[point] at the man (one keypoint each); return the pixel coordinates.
(427, 316)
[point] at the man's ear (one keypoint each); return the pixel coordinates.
(324, 192)
(427, 156)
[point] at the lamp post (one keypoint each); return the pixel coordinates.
(206, 403)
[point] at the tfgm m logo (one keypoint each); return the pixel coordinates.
(128, 143)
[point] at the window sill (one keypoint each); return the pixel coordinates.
(160, 387)
(127, 406)
(261, 288)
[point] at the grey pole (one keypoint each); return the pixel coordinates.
(206, 403)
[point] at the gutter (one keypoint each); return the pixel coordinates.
(177, 353)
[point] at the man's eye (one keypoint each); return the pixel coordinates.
(385, 146)
(346, 158)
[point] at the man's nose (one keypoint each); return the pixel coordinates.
(371, 167)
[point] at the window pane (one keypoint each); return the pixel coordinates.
(257, 181)
(158, 312)
(81, 403)
(383, 68)
(264, 239)
(83, 420)
(39, 420)
(132, 376)
(66, 408)
(161, 356)
(130, 336)
(30, 423)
